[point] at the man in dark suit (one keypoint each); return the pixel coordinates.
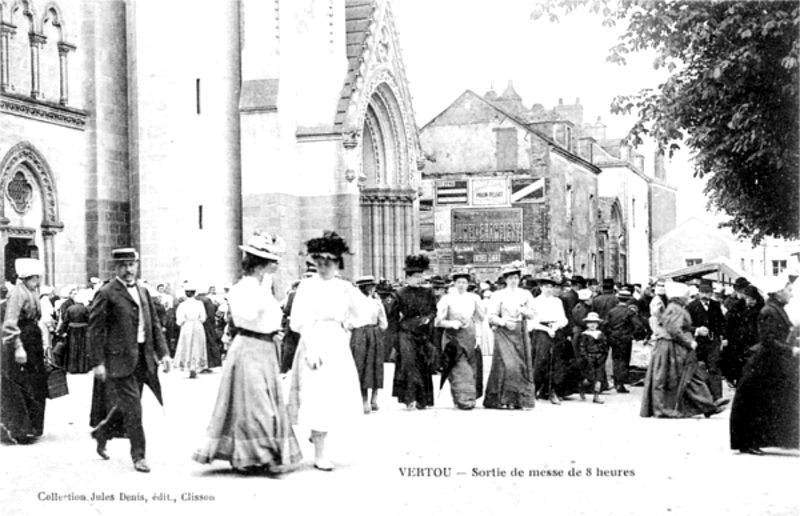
(126, 339)
(603, 303)
(621, 327)
(709, 330)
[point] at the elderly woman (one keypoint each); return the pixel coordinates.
(765, 407)
(24, 378)
(250, 426)
(510, 382)
(458, 312)
(324, 394)
(366, 342)
(191, 352)
(674, 387)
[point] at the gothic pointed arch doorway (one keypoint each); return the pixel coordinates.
(612, 245)
(29, 218)
(387, 196)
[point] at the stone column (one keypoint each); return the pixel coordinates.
(63, 50)
(49, 257)
(388, 223)
(6, 31)
(408, 222)
(366, 235)
(37, 40)
(377, 237)
(398, 242)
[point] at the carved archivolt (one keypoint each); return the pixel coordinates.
(25, 156)
(381, 75)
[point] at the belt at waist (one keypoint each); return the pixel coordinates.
(256, 335)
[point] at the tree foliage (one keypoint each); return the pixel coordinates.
(732, 96)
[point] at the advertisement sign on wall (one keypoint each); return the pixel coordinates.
(486, 237)
(451, 192)
(527, 190)
(489, 192)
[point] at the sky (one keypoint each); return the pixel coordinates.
(449, 46)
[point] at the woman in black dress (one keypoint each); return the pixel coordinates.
(765, 407)
(416, 352)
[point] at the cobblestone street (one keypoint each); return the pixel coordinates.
(577, 458)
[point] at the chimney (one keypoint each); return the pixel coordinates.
(659, 170)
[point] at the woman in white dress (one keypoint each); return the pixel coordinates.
(325, 391)
(191, 350)
(249, 425)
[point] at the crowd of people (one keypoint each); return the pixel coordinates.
(550, 336)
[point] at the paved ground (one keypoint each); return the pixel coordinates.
(488, 462)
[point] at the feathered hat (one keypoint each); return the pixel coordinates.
(329, 245)
(417, 263)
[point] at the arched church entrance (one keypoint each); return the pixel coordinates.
(29, 217)
(387, 201)
(612, 246)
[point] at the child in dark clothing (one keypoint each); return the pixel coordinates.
(593, 350)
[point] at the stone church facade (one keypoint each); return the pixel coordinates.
(180, 129)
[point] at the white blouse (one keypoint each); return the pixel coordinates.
(324, 300)
(190, 310)
(464, 307)
(370, 312)
(549, 310)
(253, 307)
(510, 304)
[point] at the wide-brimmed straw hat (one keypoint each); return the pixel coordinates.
(460, 273)
(264, 245)
(366, 280)
(592, 317)
(515, 267)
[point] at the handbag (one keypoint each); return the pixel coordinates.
(56, 379)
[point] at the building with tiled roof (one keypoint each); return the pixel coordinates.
(597, 211)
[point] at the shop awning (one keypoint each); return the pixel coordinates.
(720, 270)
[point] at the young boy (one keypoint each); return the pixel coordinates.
(593, 350)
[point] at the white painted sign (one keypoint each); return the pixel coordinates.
(489, 192)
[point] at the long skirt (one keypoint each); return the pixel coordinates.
(288, 348)
(23, 392)
(511, 377)
(77, 361)
(367, 348)
(463, 366)
(213, 344)
(328, 397)
(414, 366)
(390, 339)
(548, 365)
(765, 407)
(486, 338)
(674, 386)
(191, 351)
(249, 424)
